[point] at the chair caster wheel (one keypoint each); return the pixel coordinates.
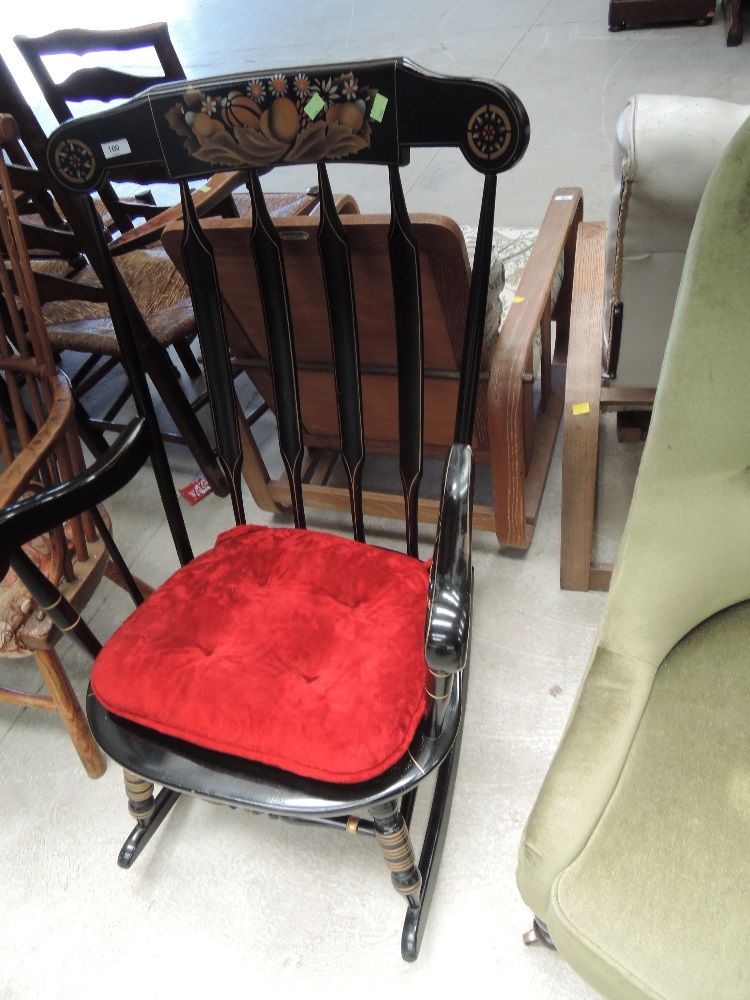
(538, 935)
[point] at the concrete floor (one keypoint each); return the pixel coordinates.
(223, 902)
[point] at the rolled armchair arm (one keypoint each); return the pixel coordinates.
(22, 521)
(666, 148)
(449, 610)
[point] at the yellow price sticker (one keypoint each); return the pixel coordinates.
(580, 408)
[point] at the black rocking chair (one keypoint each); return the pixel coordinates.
(337, 681)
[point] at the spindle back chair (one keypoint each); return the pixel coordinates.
(335, 683)
(40, 449)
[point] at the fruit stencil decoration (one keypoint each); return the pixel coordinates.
(281, 118)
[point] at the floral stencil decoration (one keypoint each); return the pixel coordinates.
(266, 122)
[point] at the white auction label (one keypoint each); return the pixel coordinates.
(118, 147)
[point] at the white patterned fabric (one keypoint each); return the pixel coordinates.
(495, 309)
(511, 249)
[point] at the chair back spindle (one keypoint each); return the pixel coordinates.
(274, 295)
(336, 261)
(407, 303)
(474, 336)
(204, 285)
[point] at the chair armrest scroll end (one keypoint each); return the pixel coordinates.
(22, 521)
(448, 622)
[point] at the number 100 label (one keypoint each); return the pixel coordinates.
(118, 147)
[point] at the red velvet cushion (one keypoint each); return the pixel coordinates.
(294, 648)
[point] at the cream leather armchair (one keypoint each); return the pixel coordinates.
(665, 150)
(626, 282)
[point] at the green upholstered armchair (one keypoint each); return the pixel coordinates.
(636, 856)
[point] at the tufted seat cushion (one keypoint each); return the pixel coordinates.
(293, 648)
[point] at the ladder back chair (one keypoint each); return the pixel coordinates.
(67, 277)
(105, 83)
(337, 683)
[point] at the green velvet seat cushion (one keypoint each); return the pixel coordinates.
(663, 883)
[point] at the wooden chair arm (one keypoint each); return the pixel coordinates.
(583, 386)
(22, 469)
(509, 396)
(20, 522)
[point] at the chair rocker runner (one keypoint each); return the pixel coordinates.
(337, 682)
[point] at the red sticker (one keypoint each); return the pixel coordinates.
(196, 490)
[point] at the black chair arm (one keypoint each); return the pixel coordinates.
(22, 521)
(449, 610)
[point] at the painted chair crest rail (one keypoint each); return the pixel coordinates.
(337, 683)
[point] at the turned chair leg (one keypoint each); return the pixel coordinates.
(392, 834)
(148, 810)
(67, 705)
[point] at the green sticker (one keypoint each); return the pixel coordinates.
(206, 188)
(314, 105)
(378, 107)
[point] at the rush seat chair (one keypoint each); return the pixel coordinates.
(634, 857)
(337, 682)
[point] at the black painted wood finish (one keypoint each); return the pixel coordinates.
(274, 295)
(379, 110)
(204, 289)
(136, 372)
(407, 301)
(335, 257)
(191, 129)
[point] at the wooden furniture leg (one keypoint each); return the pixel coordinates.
(587, 396)
(64, 701)
(581, 415)
(733, 21)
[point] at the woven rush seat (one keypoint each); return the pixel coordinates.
(23, 628)
(97, 336)
(256, 649)
(156, 286)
